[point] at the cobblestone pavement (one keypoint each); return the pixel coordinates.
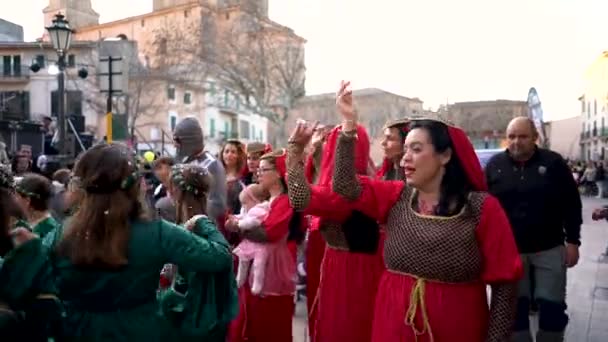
(587, 285)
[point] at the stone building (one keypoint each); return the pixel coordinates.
(375, 106)
(485, 121)
(172, 82)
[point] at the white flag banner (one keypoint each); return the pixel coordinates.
(535, 112)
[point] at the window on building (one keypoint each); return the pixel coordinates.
(588, 108)
(226, 130)
(162, 46)
(244, 129)
(143, 23)
(186, 13)
(6, 65)
(187, 98)
(17, 65)
(594, 107)
(582, 106)
(226, 97)
(15, 105)
(40, 61)
(171, 93)
(173, 122)
(71, 61)
(212, 128)
(211, 89)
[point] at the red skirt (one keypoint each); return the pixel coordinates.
(346, 296)
(262, 319)
(315, 248)
(455, 312)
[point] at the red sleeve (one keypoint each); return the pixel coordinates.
(495, 237)
(327, 204)
(378, 197)
(277, 222)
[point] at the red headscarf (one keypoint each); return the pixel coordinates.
(329, 151)
(465, 152)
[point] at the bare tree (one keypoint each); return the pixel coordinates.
(256, 59)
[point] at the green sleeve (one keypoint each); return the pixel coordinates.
(198, 254)
(21, 270)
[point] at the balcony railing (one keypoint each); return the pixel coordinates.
(19, 74)
(12, 72)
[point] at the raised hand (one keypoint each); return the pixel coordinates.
(319, 135)
(344, 102)
(302, 134)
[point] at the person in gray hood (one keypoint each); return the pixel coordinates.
(189, 142)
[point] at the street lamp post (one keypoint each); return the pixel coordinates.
(61, 37)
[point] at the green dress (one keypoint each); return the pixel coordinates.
(27, 286)
(121, 305)
(45, 227)
(210, 301)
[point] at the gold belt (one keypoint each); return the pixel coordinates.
(416, 300)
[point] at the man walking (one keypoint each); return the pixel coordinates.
(539, 195)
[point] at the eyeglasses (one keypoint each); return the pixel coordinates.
(265, 169)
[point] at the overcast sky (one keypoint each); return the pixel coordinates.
(437, 50)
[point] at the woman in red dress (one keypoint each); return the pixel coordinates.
(267, 317)
(352, 262)
(447, 238)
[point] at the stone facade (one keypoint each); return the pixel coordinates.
(375, 106)
(195, 24)
(485, 121)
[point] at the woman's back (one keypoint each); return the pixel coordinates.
(120, 304)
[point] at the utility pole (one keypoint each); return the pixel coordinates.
(111, 80)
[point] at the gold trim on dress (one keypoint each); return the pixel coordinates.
(417, 299)
(432, 217)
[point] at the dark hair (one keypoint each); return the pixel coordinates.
(192, 184)
(455, 187)
(62, 176)
(241, 156)
(98, 234)
(37, 189)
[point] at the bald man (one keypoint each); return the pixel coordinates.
(541, 199)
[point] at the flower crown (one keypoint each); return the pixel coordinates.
(177, 176)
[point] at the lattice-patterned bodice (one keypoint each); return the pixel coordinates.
(435, 248)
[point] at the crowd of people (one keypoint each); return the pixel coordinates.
(208, 252)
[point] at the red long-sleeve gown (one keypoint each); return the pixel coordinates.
(348, 280)
(434, 288)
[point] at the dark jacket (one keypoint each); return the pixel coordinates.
(540, 198)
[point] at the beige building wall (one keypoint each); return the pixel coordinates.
(40, 84)
(564, 137)
(594, 110)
